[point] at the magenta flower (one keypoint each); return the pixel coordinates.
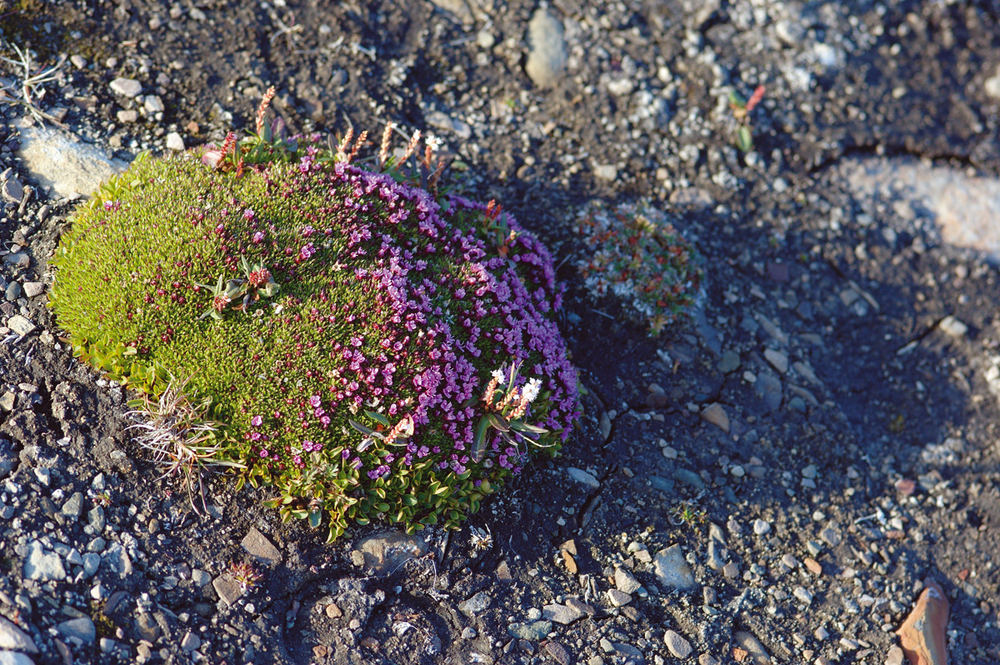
(256, 421)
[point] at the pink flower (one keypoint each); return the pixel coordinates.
(315, 401)
(306, 251)
(256, 421)
(258, 237)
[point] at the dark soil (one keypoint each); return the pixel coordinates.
(860, 307)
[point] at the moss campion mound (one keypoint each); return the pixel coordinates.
(369, 351)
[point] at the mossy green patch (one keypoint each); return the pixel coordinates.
(370, 351)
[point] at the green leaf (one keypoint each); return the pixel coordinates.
(744, 139)
(480, 446)
(315, 517)
(378, 417)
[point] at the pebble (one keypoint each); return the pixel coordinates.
(474, 604)
(257, 545)
(532, 632)
(469, 633)
(33, 289)
(777, 360)
(583, 477)
(14, 658)
(618, 598)
(625, 581)
(753, 647)
(813, 566)
(20, 325)
(677, 645)
(715, 414)
(558, 653)
(831, 536)
(802, 594)
(175, 142)
(562, 614)
(91, 562)
(547, 49)
(41, 566)
(126, 87)
(127, 115)
(761, 527)
(607, 172)
(191, 642)
(73, 506)
(672, 570)
(13, 190)
(227, 588)
(153, 104)
(80, 630)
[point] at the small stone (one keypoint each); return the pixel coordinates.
(607, 172)
(126, 87)
(78, 61)
(80, 630)
(469, 633)
(333, 611)
(618, 598)
(12, 191)
(677, 645)
(475, 604)
(895, 656)
(91, 562)
(777, 359)
(190, 642)
(760, 527)
(715, 414)
(33, 289)
(12, 637)
(756, 654)
(14, 658)
(625, 581)
(575, 603)
(922, 636)
(562, 614)
(257, 545)
(175, 142)
(831, 536)
(73, 506)
(729, 362)
(952, 327)
(583, 477)
(813, 566)
(41, 566)
(707, 659)
(802, 594)
(153, 104)
(672, 570)
(906, 486)
(20, 325)
(228, 589)
(558, 652)
(200, 577)
(8, 400)
(731, 570)
(127, 115)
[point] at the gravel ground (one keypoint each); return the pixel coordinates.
(774, 480)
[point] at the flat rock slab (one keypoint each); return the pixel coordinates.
(962, 209)
(923, 634)
(387, 552)
(61, 162)
(258, 546)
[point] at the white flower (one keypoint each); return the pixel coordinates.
(433, 142)
(498, 376)
(530, 390)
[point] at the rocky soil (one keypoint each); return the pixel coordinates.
(774, 481)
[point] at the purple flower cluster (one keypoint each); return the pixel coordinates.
(443, 309)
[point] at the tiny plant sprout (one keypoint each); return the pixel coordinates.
(741, 109)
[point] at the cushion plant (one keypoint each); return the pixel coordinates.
(365, 347)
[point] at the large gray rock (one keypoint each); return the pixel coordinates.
(672, 570)
(547, 49)
(81, 630)
(12, 637)
(43, 567)
(63, 163)
(959, 208)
